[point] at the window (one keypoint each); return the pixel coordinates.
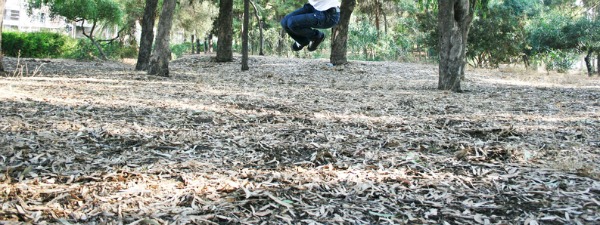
(13, 15)
(42, 17)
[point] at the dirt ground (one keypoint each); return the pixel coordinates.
(294, 141)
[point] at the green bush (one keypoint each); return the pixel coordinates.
(34, 45)
(86, 50)
(180, 49)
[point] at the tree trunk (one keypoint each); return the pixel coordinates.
(193, 46)
(377, 17)
(197, 45)
(225, 21)
(93, 40)
(339, 43)
(280, 42)
(210, 43)
(159, 62)
(588, 63)
(245, 35)
(453, 25)
(147, 35)
(2, 2)
(260, 27)
(598, 60)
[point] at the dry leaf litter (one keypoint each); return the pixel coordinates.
(294, 141)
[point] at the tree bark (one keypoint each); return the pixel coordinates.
(598, 61)
(339, 43)
(147, 35)
(93, 40)
(260, 27)
(245, 35)
(159, 61)
(280, 42)
(2, 3)
(453, 25)
(193, 46)
(197, 45)
(225, 21)
(588, 62)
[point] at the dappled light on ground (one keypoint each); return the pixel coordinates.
(295, 141)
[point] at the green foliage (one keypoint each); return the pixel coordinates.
(179, 49)
(500, 35)
(558, 60)
(545, 33)
(34, 45)
(86, 50)
(108, 11)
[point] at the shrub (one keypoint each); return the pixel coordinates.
(85, 50)
(34, 45)
(179, 49)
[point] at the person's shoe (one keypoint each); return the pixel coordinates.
(297, 46)
(314, 44)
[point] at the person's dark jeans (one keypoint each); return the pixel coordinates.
(300, 23)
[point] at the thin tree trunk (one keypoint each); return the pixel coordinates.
(245, 35)
(225, 21)
(260, 27)
(280, 42)
(453, 25)
(210, 43)
(377, 16)
(197, 45)
(588, 63)
(193, 46)
(93, 40)
(147, 35)
(159, 62)
(339, 43)
(598, 60)
(2, 2)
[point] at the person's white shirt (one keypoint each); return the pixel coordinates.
(323, 5)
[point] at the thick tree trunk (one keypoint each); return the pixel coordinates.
(245, 35)
(588, 62)
(339, 43)
(453, 25)
(2, 2)
(260, 27)
(147, 35)
(159, 62)
(225, 21)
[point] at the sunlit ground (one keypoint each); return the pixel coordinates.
(294, 141)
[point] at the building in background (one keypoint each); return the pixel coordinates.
(17, 18)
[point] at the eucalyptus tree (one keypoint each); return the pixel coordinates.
(261, 23)
(195, 17)
(147, 37)
(95, 12)
(225, 32)
(159, 61)
(245, 35)
(339, 37)
(2, 2)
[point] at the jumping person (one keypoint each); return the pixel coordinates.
(301, 24)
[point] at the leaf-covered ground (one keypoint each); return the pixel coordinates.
(293, 141)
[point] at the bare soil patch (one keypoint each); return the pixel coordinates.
(293, 141)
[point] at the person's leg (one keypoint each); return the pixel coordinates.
(307, 9)
(301, 26)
